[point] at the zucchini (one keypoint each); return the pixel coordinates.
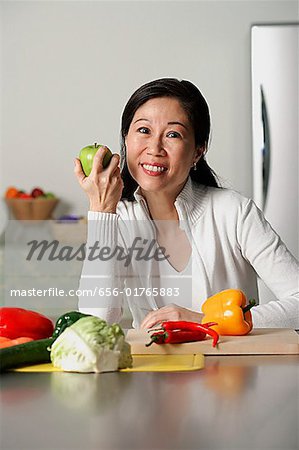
(34, 352)
(38, 351)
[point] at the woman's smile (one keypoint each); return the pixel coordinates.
(153, 169)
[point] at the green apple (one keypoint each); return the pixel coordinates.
(49, 195)
(87, 154)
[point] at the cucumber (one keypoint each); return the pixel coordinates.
(33, 352)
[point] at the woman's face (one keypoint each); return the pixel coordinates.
(161, 146)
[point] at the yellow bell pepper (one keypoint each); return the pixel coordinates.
(228, 309)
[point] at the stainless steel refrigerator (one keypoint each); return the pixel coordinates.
(274, 70)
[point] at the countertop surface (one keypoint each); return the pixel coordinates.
(235, 402)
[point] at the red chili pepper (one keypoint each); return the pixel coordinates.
(209, 324)
(182, 325)
(158, 338)
(17, 322)
(214, 335)
(176, 337)
(185, 326)
(191, 327)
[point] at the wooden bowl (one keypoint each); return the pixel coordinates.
(32, 209)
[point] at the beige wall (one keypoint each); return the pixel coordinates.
(67, 69)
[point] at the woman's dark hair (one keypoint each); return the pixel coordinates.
(197, 110)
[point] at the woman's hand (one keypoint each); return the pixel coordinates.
(170, 312)
(103, 186)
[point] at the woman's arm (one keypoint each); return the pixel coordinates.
(102, 274)
(275, 265)
(170, 312)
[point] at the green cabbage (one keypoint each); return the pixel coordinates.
(91, 345)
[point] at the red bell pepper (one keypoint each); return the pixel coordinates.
(18, 322)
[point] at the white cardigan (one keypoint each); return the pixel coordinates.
(232, 244)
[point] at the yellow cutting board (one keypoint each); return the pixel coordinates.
(142, 363)
(261, 341)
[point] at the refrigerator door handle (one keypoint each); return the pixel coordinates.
(266, 150)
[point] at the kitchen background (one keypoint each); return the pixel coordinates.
(68, 68)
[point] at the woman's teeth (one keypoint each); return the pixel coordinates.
(154, 168)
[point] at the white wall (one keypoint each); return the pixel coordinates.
(68, 68)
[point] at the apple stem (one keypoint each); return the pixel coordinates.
(96, 145)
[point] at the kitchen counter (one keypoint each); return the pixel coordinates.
(235, 402)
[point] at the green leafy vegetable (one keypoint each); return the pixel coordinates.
(91, 345)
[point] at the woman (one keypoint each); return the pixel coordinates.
(214, 238)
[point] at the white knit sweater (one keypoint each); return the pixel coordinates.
(232, 244)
